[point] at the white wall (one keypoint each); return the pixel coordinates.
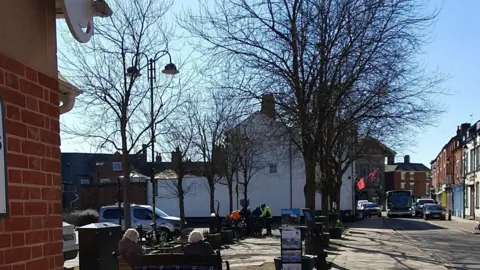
(272, 189)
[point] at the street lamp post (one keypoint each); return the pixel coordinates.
(134, 72)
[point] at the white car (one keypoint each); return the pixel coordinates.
(70, 245)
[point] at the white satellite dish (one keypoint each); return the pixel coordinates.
(79, 16)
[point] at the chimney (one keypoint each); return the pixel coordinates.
(390, 160)
(406, 159)
(176, 157)
(144, 152)
(158, 158)
(464, 127)
(268, 105)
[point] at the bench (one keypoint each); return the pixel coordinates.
(177, 261)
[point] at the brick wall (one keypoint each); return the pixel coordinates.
(31, 238)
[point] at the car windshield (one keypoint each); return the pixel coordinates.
(434, 207)
(158, 212)
(371, 205)
(422, 202)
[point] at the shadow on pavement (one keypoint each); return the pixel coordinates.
(336, 266)
(410, 225)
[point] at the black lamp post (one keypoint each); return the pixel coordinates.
(134, 72)
(464, 172)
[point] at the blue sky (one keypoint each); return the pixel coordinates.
(454, 50)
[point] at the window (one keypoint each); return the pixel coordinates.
(466, 198)
(403, 176)
(142, 213)
(472, 160)
(273, 168)
(412, 187)
(477, 158)
(412, 176)
(477, 193)
(427, 188)
(104, 181)
(112, 213)
(84, 181)
(402, 185)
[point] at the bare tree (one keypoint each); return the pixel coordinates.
(230, 168)
(250, 150)
(114, 106)
(180, 137)
(319, 56)
(211, 117)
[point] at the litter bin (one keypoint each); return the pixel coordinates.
(97, 246)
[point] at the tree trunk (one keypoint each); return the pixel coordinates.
(181, 202)
(310, 190)
(126, 188)
(230, 195)
(211, 186)
(325, 206)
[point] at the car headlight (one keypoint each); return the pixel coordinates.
(428, 212)
(410, 209)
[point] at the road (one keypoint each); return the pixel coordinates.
(455, 249)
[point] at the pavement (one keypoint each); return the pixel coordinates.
(375, 243)
(371, 244)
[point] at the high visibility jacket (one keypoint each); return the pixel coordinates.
(267, 212)
(236, 215)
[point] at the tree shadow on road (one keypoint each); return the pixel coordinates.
(410, 225)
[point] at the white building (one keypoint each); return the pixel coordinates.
(471, 165)
(276, 179)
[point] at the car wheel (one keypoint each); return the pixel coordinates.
(389, 216)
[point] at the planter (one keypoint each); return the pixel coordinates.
(308, 262)
(227, 237)
(215, 240)
(326, 240)
(169, 249)
(335, 233)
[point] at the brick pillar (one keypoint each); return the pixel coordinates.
(31, 237)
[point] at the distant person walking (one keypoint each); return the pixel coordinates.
(267, 215)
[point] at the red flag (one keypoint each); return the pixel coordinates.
(372, 175)
(361, 184)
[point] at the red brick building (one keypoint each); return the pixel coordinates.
(31, 230)
(409, 176)
(31, 237)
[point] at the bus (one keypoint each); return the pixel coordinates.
(399, 203)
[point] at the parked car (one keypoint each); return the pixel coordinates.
(141, 215)
(70, 245)
(372, 209)
(360, 204)
(420, 204)
(433, 211)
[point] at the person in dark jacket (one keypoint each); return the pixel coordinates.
(257, 212)
(129, 248)
(197, 245)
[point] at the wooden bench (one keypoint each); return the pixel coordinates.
(184, 261)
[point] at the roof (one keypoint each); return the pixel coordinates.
(406, 167)
(171, 175)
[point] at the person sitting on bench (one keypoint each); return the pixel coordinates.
(129, 248)
(197, 245)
